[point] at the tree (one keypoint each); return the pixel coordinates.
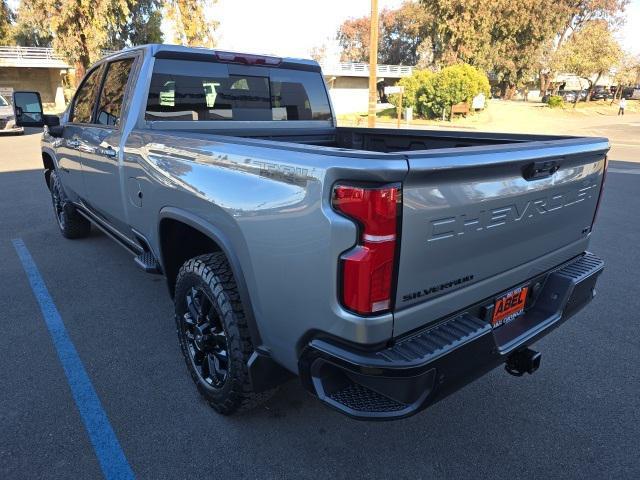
(519, 33)
(80, 29)
(462, 30)
(191, 26)
(590, 51)
(412, 85)
(319, 54)
(402, 31)
(141, 25)
(451, 85)
(627, 73)
(6, 21)
(574, 15)
(501, 36)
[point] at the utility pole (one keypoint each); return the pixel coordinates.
(373, 65)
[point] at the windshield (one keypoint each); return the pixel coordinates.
(192, 90)
(3, 102)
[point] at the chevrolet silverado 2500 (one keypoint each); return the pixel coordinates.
(385, 268)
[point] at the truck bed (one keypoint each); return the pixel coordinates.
(362, 139)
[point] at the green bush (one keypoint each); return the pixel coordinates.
(411, 86)
(555, 101)
(454, 84)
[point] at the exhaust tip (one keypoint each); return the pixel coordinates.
(523, 361)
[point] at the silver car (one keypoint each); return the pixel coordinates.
(7, 118)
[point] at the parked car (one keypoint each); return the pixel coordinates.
(386, 268)
(7, 118)
(569, 96)
(601, 93)
(631, 93)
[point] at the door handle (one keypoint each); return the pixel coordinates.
(541, 169)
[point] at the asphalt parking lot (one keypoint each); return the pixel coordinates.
(578, 417)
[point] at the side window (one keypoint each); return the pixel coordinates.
(85, 98)
(115, 83)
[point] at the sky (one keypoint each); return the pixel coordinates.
(629, 35)
(294, 27)
(285, 27)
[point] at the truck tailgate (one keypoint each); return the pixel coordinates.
(480, 220)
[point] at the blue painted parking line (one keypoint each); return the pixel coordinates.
(112, 460)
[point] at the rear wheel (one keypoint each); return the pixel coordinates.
(213, 334)
(70, 222)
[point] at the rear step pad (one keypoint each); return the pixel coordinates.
(147, 262)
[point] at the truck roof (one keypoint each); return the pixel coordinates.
(199, 53)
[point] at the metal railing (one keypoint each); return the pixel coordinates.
(29, 53)
(362, 69)
(41, 57)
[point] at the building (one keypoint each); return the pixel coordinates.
(33, 68)
(348, 83)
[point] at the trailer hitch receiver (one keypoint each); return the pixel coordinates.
(523, 361)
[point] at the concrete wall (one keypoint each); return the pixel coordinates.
(43, 80)
(349, 94)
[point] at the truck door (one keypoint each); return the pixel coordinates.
(69, 151)
(100, 146)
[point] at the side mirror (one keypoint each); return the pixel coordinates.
(52, 122)
(27, 107)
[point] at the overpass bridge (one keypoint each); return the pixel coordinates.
(31, 57)
(33, 68)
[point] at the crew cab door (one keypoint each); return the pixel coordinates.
(100, 146)
(69, 149)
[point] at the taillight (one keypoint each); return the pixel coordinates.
(604, 177)
(367, 270)
(247, 59)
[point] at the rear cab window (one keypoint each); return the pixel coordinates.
(205, 91)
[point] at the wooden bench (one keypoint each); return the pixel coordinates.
(461, 108)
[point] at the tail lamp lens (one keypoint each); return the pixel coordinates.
(367, 269)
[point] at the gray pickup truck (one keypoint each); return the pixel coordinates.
(386, 268)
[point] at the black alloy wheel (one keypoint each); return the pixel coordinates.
(206, 339)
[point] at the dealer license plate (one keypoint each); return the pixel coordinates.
(509, 306)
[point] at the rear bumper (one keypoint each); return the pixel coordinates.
(426, 366)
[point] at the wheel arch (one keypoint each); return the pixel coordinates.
(206, 236)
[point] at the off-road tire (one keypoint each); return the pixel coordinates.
(71, 223)
(212, 275)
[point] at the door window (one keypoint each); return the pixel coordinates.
(85, 98)
(113, 88)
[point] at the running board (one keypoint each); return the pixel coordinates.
(147, 262)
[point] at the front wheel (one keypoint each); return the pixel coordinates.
(70, 222)
(213, 334)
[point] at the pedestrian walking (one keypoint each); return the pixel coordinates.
(623, 105)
